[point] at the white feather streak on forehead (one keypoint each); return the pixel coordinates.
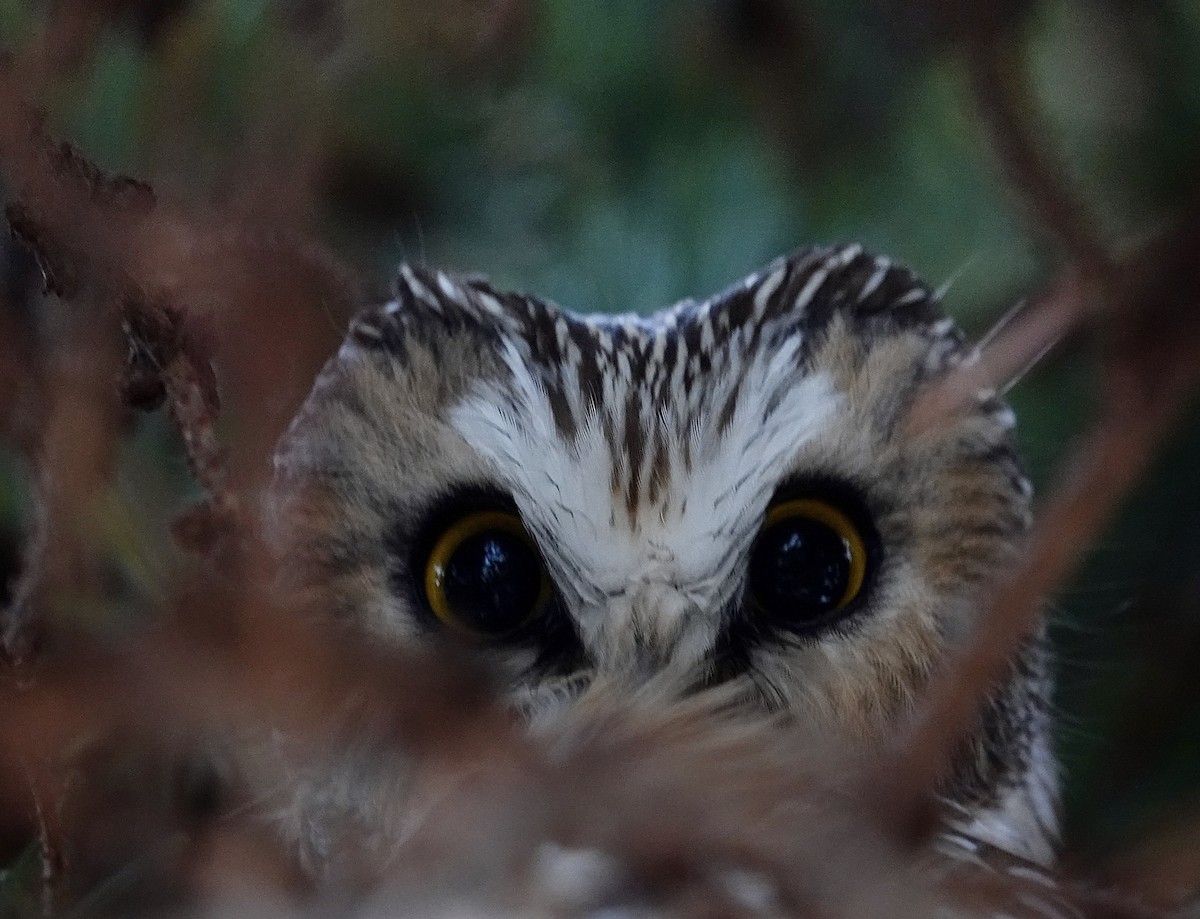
(689, 544)
(882, 267)
(810, 288)
(765, 291)
(450, 289)
(421, 292)
(847, 255)
(489, 303)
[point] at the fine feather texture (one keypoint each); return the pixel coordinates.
(641, 453)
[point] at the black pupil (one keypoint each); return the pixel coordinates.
(492, 581)
(799, 571)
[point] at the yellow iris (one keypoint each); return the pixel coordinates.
(527, 598)
(843, 526)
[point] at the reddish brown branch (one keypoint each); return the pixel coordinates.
(76, 456)
(1102, 469)
(104, 241)
(1151, 368)
(1002, 98)
(1063, 307)
(47, 805)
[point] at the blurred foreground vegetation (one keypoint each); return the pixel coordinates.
(621, 155)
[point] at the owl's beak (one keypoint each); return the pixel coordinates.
(652, 630)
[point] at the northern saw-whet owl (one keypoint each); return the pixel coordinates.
(722, 493)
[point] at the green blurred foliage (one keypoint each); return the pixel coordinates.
(618, 156)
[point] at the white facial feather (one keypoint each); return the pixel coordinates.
(656, 578)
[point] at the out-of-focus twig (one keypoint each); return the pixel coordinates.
(1038, 327)
(84, 257)
(1151, 368)
(76, 455)
(1002, 99)
(124, 268)
(75, 460)
(47, 806)
(1145, 309)
(108, 239)
(1103, 466)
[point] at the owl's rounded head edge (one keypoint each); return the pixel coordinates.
(644, 457)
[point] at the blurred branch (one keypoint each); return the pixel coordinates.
(22, 382)
(1003, 101)
(104, 245)
(47, 811)
(105, 240)
(1015, 346)
(1147, 312)
(76, 455)
(987, 38)
(1151, 369)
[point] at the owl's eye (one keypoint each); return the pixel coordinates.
(808, 564)
(485, 576)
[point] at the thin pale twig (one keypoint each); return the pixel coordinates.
(1009, 351)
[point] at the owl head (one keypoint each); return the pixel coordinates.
(725, 493)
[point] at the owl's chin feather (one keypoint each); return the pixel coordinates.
(588, 811)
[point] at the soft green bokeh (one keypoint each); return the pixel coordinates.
(619, 156)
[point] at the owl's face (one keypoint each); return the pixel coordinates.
(722, 493)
